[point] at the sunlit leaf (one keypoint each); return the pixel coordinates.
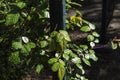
(114, 45)
(84, 47)
(87, 56)
(90, 38)
(61, 72)
(85, 29)
(55, 66)
(91, 26)
(61, 62)
(96, 40)
(52, 60)
(76, 60)
(65, 35)
(95, 34)
(86, 61)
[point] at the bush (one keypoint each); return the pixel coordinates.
(26, 42)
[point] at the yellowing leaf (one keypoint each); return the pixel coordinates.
(61, 72)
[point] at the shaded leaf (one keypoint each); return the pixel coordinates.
(39, 67)
(14, 58)
(31, 45)
(86, 61)
(43, 44)
(20, 4)
(17, 45)
(12, 18)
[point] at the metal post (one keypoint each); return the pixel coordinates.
(57, 14)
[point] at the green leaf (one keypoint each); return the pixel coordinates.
(25, 50)
(86, 61)
(42, 52)
(43, 44)
(12, 18)
(1, 21)
(66, 56)
(85, 29)
(93, 57)
(96, 40)
(84, 47)
(1, 39)
(31, 45)
(61, 62)
(55, 66)
(52, 60)
(114, 45)
(65, 35)
(91, 26)
(53, 34)
(73, 19)
(76, 4)
(92, 51)
(67, 53)
(17, 45)
(14, 58)
(87, 56)
(80, 67)
(20, 4)
(59, 37)
(90, 38)
(76, 60)
(39, 67)
(95, 34)
(61, 72)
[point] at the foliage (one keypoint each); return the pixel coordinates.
(25, 41)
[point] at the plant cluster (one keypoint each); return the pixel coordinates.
(26, 42)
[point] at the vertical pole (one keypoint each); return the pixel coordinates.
(104, 25)
(57, 18)
(57, 14)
